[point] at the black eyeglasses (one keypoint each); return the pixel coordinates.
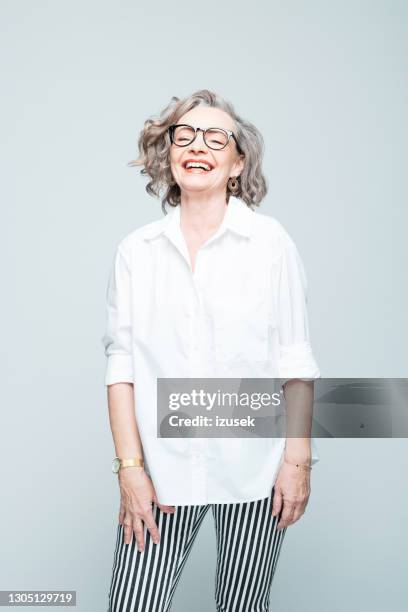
(215, 138)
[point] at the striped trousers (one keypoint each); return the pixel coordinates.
(247, 543)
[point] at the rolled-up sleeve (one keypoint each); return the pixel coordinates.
(117, 339)
(296, 359)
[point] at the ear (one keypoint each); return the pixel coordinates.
(238, 166)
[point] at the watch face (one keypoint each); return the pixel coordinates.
(116, 465)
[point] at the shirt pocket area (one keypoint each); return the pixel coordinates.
(241, 331)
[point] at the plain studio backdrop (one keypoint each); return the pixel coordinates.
(325, 82)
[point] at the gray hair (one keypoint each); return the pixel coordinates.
(154, 150)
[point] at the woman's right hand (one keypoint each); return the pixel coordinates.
(137, 495)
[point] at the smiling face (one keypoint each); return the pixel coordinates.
(223, 163)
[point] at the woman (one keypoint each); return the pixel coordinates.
(213, 289)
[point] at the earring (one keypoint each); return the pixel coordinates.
(233, 184)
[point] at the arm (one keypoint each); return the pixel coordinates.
(297, 369)
(122, 419)
(299, 395)
(136, 488)
(119, 376)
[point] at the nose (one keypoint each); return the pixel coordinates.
(198, 143)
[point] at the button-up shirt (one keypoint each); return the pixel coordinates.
(241, 313)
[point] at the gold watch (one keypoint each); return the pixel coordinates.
(118, 464)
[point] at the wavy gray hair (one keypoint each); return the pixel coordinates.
(154, 150)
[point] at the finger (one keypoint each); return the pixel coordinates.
(127, 529)
(121, 514)
(287, 514)
(300, 509)
(167, 509)
(286, 518)
(152, 527)
(139, 533)
(297, 514)
(277, 502)
(163, 508)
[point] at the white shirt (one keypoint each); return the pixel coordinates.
(242, 313)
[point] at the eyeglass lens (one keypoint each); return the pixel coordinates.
(215, 139)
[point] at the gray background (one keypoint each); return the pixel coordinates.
(325, 83)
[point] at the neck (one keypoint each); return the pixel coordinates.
(202, 213)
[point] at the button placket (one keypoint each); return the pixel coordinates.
(199, 467)
(196, 308)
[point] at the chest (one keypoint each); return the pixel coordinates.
(226, 298)
(193, 244)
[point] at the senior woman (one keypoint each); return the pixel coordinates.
(212, 289)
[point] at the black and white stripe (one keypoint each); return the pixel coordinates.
(248, 546)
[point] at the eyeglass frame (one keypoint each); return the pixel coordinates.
(230, 135)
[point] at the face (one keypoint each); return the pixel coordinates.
(224, 163)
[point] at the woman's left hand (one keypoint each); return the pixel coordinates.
(291, 491)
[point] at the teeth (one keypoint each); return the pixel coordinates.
(197, 165)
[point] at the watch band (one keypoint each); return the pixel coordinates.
(131, 463)
(118, 464)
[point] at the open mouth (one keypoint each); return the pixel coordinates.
(197, 166)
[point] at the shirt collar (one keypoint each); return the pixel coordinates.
(238, 218)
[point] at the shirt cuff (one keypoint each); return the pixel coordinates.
(119, 368)
(297, 361)
(315, 454)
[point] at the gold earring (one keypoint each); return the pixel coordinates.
(233, 184)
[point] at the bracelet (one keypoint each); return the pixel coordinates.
(305, 466)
